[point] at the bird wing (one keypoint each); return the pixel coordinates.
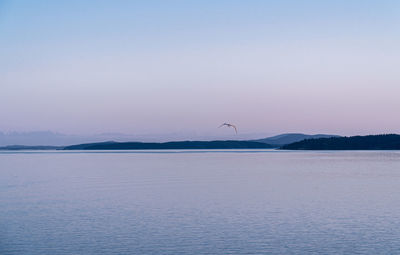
(222, 125)
(234, 128)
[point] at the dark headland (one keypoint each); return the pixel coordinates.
(369, 142)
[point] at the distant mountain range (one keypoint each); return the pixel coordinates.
(370, 142)
(283, 139)
(49, 138)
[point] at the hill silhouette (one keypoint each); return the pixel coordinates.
(171, 145)
(369, 142)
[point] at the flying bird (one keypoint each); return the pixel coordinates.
(229, 125)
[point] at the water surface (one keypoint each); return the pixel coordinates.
(199, 202)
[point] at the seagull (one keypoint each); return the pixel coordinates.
(229, 125)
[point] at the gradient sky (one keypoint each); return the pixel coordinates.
(85, 67)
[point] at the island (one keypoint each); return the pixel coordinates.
(179, 145)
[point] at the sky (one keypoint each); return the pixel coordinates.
(143, 67)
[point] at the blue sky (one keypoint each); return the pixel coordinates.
(184, 66)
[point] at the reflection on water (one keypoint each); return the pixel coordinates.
(199, 202)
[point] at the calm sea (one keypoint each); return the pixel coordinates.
(200, 202)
